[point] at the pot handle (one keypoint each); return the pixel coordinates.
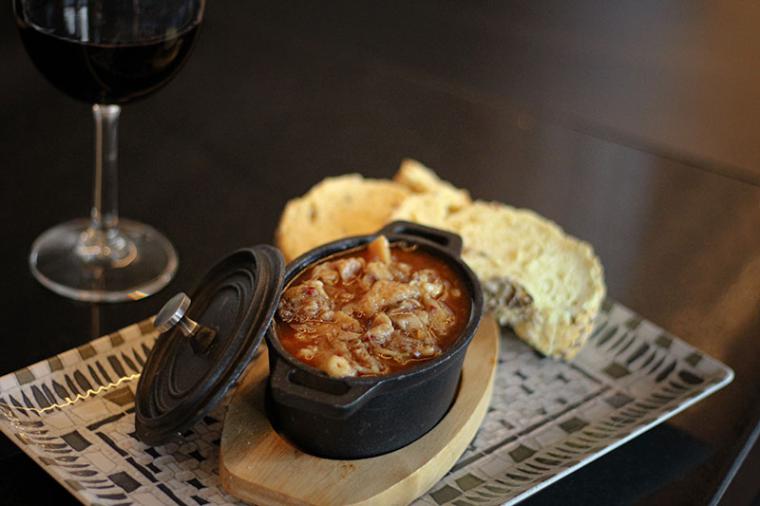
(285, 391)
(449, 240)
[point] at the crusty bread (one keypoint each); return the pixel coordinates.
(547, 285)
(421, 179)
(432, 209)
(434, 200)
(337, 207)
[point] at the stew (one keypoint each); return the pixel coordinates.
(372, 311)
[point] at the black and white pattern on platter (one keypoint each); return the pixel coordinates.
(548, 418)
(74, 415)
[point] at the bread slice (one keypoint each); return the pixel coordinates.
(421, 179)
(433, 201)
(337, 207)
(546, 284)
(427, 208)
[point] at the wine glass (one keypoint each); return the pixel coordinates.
(106, 53)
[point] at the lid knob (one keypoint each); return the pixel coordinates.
(173, 314)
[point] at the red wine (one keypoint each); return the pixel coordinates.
(106, 73)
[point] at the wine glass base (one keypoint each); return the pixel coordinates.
(138, 262)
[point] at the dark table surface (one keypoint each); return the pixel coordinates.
(634, 126)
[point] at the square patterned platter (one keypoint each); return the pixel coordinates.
(74, 415)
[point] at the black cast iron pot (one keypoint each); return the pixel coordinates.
(348, 418)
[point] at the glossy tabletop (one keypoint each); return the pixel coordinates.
(635, 127)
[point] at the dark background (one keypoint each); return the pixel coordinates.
(635, 125)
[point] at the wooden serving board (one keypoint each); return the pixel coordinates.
(260, 467)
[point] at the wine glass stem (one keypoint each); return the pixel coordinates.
(103, 244)
(105, 208)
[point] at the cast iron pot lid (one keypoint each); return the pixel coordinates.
(207, 340)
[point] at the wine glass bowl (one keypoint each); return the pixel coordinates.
(106, 53)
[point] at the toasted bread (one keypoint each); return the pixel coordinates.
(421, 179)
(433, 201)
(546, 284)
(337, 207)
